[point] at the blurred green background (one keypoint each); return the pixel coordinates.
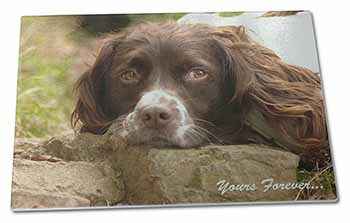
(45, 77)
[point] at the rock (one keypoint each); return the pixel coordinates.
(89, 170)
(82, 147)
(64, 184)
(177, 176)
(31, 200)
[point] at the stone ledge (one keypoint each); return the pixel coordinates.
(173, 176)
(90, 170)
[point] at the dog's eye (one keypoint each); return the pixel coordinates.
(196, 75)
(129, 76)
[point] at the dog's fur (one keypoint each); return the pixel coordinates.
(242, 76)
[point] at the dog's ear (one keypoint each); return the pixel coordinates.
(289, 97)
(90, 110)
(237, 70)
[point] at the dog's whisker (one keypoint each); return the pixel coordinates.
(193, 137)
(200, 135)
(204, 121)
(207, 132)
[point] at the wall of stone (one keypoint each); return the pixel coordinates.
(88, 170)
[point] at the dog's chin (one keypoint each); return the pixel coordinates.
(159, 140)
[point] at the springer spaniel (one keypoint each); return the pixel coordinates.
(169, 84)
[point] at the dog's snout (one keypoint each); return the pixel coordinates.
(156, 116)
(160, 112)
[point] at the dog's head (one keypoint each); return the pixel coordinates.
(188, 85)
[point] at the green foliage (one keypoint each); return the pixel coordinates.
(44, 86)
(324, 179)
(279, 13)
(230, 14)
(42, 105)
(158, 17)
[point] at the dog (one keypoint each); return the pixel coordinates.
(189, 85)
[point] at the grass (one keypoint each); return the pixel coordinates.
(42, 108)
(230, 14)
(322, 181)
(156, 17)
(44, 78)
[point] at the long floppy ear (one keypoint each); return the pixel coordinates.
(286, 97)
(90, 110)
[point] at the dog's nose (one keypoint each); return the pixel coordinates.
(156, 116)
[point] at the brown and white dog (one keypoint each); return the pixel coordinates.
(191, 85)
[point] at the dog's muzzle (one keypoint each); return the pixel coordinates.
(159, 118)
